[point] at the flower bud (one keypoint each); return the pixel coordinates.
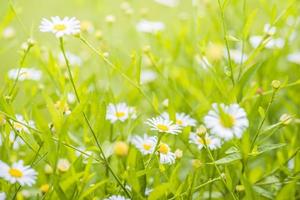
(276, 84)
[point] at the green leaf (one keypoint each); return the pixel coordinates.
(261, 112)
(228, 159)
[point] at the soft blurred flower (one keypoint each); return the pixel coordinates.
(63, 165)
(182, 119)
(121, 148)
(25, 74)
(8, 32)
(73, 59)
(116, 197)
(48, 169)
(211, 142)
(169, 3)
(178, 153)
(45, 188)
(110, 19)
(269, 43)
(294, 58)
(146, 26)
(2, 196)
(148, 76)
(119, 112)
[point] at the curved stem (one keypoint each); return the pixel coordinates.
(102, 155)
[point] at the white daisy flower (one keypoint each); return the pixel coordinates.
(20, 124)
(165, 154)
(15, 140)
(270, 43)
(73, 59)
(211, 142)
(63, 165)
(18, 173)
(163, 125)
(84, 153)
(25, 74)
(148, 76)
(236, 55)
(61, 27)
(119, 112)
(294, 58)
(146, 145)
(270, 30)
(2, 196)
(169, 3)
(9, 32)
(145, 26)
(116, 197)
(182, 119)
(203, 62)
(226, 121)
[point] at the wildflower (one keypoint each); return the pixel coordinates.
(269, 43)
(73, 59)
(119, 112)
(18, 173)
(286, 119)
(2, 119)
(214, 52)
(163, 125)
(276, 84)
(61, 27)
(146, 145)
(145, 26)
(178, 153)
(44, 188)
(48, 169)
(63, 107)
(63, 165)
(25, 74)
(196, 163)
(71, 98)
(211, 142)
(169, 3)
(15, 140)
(165, 154)
(182, 119)
(148, 76)
(110, 19)
(121, 148)
(8, 33)
(87, 26)
(2, 196)
(294, 58)
(226, 121)
(116, 197)
(237, 56)
(270, 30)
(203, 62)
(21, 125)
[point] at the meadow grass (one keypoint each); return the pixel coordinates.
(155, 99)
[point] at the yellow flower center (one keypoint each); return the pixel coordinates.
(201, 140)
(227, 120)
(60, 27)
(18, 126)
(147, 146)
(120, 114)
(15, 173)
(179, 122)
(162, 127)
(163, 148)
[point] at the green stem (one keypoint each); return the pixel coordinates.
(218, 170)
(102, 155)
(154, 151)
(110, 64)
(263, 121)
(226, 43)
